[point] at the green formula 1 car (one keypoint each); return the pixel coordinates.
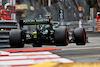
(47, 32)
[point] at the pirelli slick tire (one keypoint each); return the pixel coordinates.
(61, 36)
(37, 45)
(80, 36)
(16, 38)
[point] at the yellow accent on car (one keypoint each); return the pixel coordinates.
(2, 29)
(35, 34)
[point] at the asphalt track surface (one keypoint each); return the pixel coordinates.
(88, 53)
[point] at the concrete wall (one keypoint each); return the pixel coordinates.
(70, 8)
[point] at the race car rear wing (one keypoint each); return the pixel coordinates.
(34, 22)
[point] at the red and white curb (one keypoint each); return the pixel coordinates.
(29, 58)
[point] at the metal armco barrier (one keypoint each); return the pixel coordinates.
(5, 27)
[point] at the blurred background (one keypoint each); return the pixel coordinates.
(32, 9)
(70, 7)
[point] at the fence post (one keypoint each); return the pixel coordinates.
(49, 2)
(13, 15)
(0, 8)
(80, 16)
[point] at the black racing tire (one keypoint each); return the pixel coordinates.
(16, 38)
(37, 45)
(61, 36)
(80, 36)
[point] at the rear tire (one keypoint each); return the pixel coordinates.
(16, 38)
(80, 36)
(61, 36)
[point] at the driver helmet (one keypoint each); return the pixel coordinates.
(98, 13)
(6, 5)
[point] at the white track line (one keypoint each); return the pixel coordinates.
(80, 48)
(23, 62)
(4, 53)
(29, 58)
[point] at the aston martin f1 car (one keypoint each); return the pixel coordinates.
(47, 32)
